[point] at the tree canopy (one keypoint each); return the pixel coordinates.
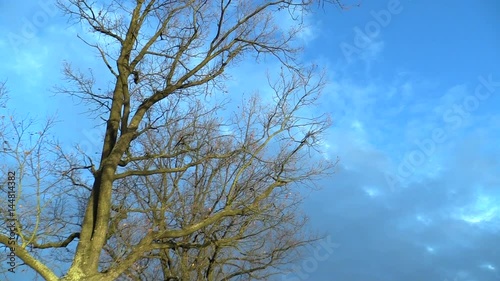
(186, 186)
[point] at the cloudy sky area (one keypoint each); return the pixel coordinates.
(414, 100)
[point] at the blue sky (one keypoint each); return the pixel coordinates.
(414, 100)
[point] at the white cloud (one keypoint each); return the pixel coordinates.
(430, 250)
(372, 192)
(484, 212)
(425, 220)
(488, 266)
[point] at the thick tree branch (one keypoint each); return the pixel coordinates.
(60, 244)
(31, 261)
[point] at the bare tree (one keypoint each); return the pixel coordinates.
(178, 192)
